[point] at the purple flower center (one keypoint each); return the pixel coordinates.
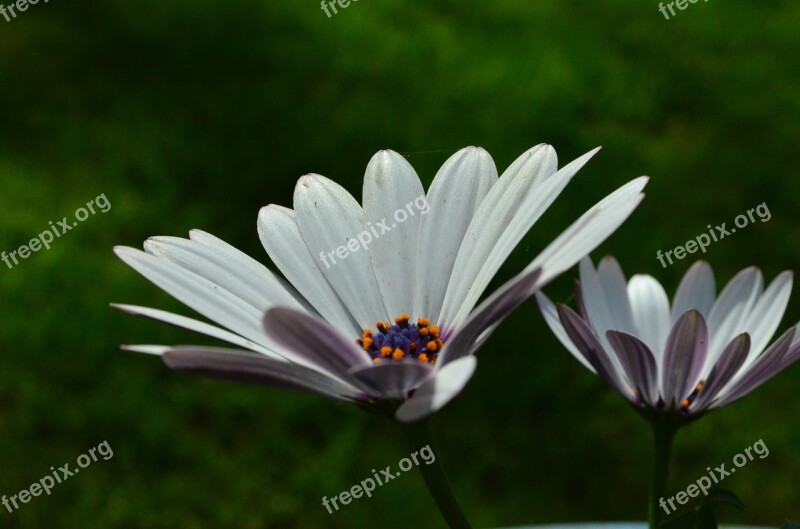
(420, 341)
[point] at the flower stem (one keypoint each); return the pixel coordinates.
(663, 436)
(420, 436)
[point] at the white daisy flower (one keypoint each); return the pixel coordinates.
(702, 352)
(419, 279)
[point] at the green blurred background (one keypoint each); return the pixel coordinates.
(196, 114)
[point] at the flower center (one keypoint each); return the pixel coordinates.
(420, 341)
(688, 400)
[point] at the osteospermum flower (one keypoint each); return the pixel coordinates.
(376, 307)
(702, 352)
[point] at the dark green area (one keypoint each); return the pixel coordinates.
(196, 114)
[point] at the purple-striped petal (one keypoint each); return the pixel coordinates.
(684, 356)
(770, 363)
(638, 362)
(314, 340)
(489, 313)
(240, 366)
(586, 342)
(728, 365)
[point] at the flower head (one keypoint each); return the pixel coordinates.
(702, 352)
(378, 304)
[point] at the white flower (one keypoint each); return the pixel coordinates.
(701, 353)
(428, 271)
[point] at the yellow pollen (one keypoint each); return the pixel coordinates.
(367, 342)
(403, 318)
(386, 350)
(685, 403)
(379, 325)
(367, 332)
(423, 358)
(423, 322)
(431, 346)
(377, 360)
(423, 331)
(435, 330)
(398, 354)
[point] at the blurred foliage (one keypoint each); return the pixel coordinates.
(196, 114)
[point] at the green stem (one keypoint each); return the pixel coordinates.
(663, 435)
(420, 436)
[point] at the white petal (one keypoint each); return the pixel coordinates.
(329, 218)
(696, 291)
(767, 313)
(393, 192)
(598, 310)
(729, 312)
(195, 325)
(198, 293)
(650, 307)
(460, 186)
(223, 265)
(155, 350)
(438, 391)
(615, 289)
(591, 229)
(514, 204)
(277, 228)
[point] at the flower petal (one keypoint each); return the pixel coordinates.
(330, 221)
(769, 363)
(225, 266)
(650, 313)
(585, 340)
(767, 312)
(391, 186)
(615, 289)
(392, 380)
(238, 366)
(684, 357)
(314, 341)
(595, 302)
(696, 291)
(639, 364)
(513, 205)
(734, 303)
(277, 228)
(728, 365)
(198, 293)
(550, 314)
(195, 325)
(591, 229)
(458, 189)
(490, 313)
(438, 390)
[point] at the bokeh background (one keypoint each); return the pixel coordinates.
(196, 114)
